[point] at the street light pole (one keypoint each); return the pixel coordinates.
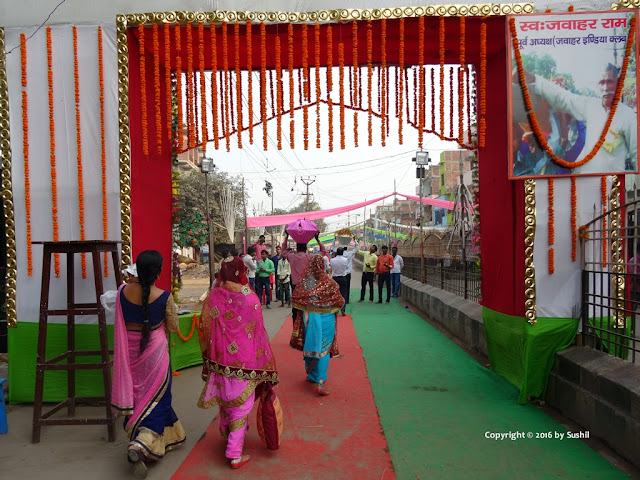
(422, 160)
(207, 166)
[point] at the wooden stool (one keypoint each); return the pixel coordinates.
(67, 360)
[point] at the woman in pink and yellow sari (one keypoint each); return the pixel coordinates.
(141, 388)
(236, 352)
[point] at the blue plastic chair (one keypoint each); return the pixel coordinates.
(4, 427)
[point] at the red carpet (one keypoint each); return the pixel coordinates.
(334, 437)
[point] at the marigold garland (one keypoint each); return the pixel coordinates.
(356, 80)
(341, 86)
(316, 33)
(236, 29)
(156, 87)
(52, 153)
(383, 68)
(25, 151)
(278, 92)
(263, 83)
(103, 151)
(468, 82)
(441, 55)
(272, 102)
(461, 72)
(482, 124)
(225, 88)
(291, 87)
(433, 100)
(179, 88)
(194, 323)
(143, 91)
(400, 70)
(574, 210)
(451, 102)
(196, 118)
(330, 83)
(369, 79)
(533, 121)
(250, 79)
(203, 87)
(191, 141)
(421, 88)
(552, 268)
(76, 85)
(305, 86)
(603, 198)
(214, 86)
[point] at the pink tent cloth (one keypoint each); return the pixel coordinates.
(271, 220)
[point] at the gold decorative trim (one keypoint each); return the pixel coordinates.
(617, 257)
(529, 237)
(625, 4)
(345, 15)
(125, 149)
(7, 194)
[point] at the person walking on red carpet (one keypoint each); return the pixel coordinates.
(317, 295)
(237, 354)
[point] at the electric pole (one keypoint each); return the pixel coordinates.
(307, 182)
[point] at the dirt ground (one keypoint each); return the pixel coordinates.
(195, 282)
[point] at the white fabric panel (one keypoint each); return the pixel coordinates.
(28, 288)
(558, 295)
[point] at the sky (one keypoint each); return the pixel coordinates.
(339, 178)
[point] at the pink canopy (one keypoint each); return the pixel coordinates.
(268, 221)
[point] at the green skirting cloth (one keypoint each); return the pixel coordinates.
(23, 345)
(523, 353)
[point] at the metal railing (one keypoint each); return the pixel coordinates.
(611, 282)
(462, 278)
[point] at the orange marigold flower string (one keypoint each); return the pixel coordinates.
(356, 80)
(76, 85)
(25, 151)
(369, 79)
(341, 87)
(52, 153)
(179, 88)
(451, 102)
(316, 34)
(143, 91)
(103, 152)
(236, 28)
(291, 87)
(191, 140)
(442, 51)
(263, 84)
(214, 86)
(203, 87)
(156, 88)
(305, 86)
(330, 83)
(551, 227)
(574, 210)
(278, 92)
(482, 124)
(383, 68)
(421, 89)
(194, 323)
(167, 78)
(461, 72)
(603, 197)
(225, 89)
(250, 79)
(400, 70)
(433, 100)
(532, 116)
(468, 82)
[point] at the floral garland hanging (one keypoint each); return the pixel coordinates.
(203, 86)
(433, 100)
(156, 88)
(250, 79)
(369, 80)
(76, 85)
(194, 323)
(305, 86)
(25, 152)
(143, 91)
(451, 102)
(421, 89)
(341, 87)
(532, 116)
(551, 227)
(441, 55)
(291, 87)
(400, 69)
(263, 84)
(468, 82)
(179, 88)
(574, 211)
(482, 124)
(167, 75)
(356, 80)
(214, 86)
(103, 152)
(196, 117)
(330, 83)
(461, 72)
(225, 88)
(52, 153)
(316, 35)
(278, 93)
(191, 141)
(603, 200)
(383, 68)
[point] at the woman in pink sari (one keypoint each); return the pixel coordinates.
(236, 352)
(141, 387)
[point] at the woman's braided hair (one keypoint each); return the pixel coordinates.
(149, 264)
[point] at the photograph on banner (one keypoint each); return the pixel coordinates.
(571, 65)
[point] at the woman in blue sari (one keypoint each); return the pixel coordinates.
(317, 295)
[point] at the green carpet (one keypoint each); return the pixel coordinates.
(436, 404)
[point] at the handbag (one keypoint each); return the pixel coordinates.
(269, 417)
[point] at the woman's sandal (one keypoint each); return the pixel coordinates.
(238, 462)
(321, 390)
(139, 467)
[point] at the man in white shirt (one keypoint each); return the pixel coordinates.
(339, 274)
(250, 261)
(349, 256)
(398, 263)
